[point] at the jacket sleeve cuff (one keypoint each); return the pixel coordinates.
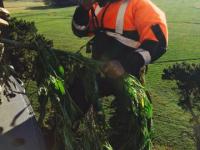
(146, 56)
(79, 27)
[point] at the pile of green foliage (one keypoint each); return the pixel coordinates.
(75, 125)
(33, 59)
(23, 58)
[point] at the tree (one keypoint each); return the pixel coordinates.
(187, 77)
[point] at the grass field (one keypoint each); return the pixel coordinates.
(170, 122)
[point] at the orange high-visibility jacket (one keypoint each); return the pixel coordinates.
(137, 24)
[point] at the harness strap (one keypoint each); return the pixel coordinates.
(120, 17)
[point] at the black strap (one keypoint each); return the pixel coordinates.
(95, 21)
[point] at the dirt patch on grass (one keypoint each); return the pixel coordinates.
(18, 6)
(197, 5)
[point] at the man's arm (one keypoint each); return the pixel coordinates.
(152, 27)
(151, 24)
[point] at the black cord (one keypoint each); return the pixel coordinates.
(95, 21)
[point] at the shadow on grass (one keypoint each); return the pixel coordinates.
(47, 7)
(39, 8)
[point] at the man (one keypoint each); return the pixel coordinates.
(128, 35)
(118, 21)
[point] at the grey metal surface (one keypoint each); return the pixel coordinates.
(18, 126)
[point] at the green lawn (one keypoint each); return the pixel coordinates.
(170, 121)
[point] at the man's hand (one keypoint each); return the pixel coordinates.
(4, 13)
(113, 69)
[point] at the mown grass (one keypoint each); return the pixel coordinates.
(170, 122)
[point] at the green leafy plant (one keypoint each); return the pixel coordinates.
(54, 72)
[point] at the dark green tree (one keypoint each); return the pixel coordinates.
(187, 77)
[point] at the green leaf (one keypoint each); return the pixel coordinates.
(58, 84)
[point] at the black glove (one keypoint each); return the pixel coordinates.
(80, 18)
(113, 69)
